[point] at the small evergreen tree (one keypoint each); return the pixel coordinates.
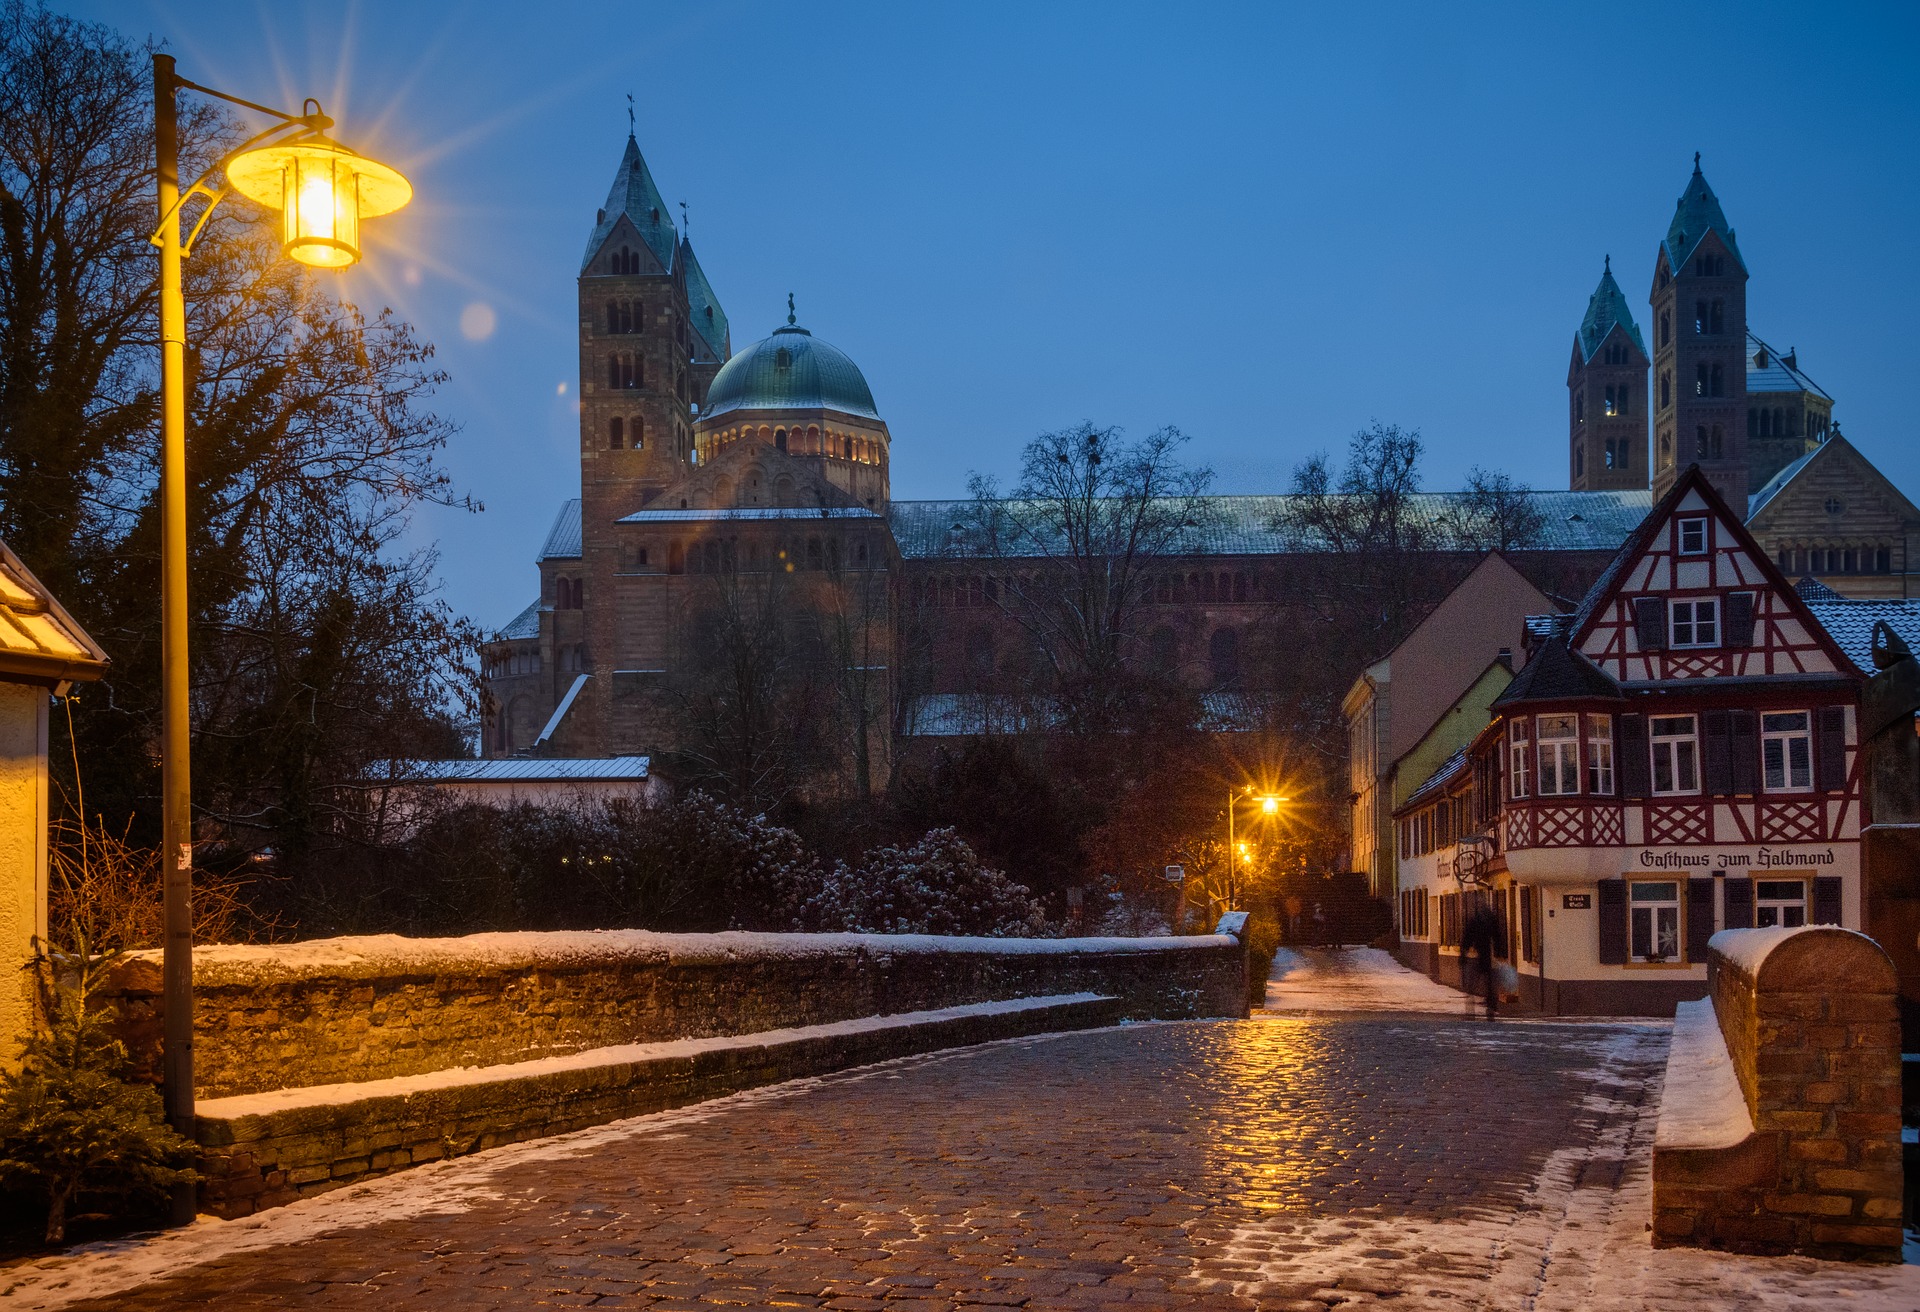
(72, 1125)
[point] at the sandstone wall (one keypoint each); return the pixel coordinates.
(349, 1010)
(1811, 1028)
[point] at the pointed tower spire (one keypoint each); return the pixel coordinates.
(635, 197)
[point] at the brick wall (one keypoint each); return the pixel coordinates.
(1810, 1022)
(349, 1010)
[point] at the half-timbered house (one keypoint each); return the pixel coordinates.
(1676, 756)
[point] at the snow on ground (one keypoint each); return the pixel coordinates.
(99, 1270)
(1569, 1249)
(1356, 979)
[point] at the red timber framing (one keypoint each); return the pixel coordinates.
(1677, 756)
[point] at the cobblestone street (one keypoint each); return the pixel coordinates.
(1297, 1161)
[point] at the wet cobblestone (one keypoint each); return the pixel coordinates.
(1149, 1166)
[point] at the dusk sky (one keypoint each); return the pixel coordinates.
(1266, 224)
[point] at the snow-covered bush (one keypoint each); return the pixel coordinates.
(937, 886)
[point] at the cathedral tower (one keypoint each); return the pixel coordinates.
(1699, 356)
(1607, 396)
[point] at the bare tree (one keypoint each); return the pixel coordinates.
(1494, 513)
(318, 643)
(1073, 548)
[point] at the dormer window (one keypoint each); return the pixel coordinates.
(1693, 537)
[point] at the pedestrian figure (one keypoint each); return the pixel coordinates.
(1293, 917)
(1479, 939)
(1319, 924)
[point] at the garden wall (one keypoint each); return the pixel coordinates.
(350, 1010)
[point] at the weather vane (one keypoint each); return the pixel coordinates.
(629, 113)
(790, 318)
(685, 226)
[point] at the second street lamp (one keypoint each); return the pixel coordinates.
(1269, 805)
(323, 190)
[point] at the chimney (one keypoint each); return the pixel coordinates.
(1506, 658)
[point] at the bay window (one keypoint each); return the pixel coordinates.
(1600, 755)
(1559, 748)
(1518, 753)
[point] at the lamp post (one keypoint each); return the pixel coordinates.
(1269, 805)
(323, 191)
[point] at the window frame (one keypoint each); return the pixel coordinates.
(1674, 903)
(1557, 756)
(1763, 904)
(1682, 757)
(1694, 623)
(1597, 758)
(1783, 737)
(1684, 526)
(1519, 749)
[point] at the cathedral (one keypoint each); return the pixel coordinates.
(737, 504)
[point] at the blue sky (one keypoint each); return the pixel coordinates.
(1268, 224)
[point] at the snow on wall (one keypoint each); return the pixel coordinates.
(385, 956)
(1701, 1104)
(1747, 949)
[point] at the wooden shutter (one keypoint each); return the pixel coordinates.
(1830, 749)
(1634, 765)
(1743, 745)
(1826, 900)
(1716, 754)
(1739, 902)
(1650, 622)
(1699, 918)
(1739, 612)
(1612, 912)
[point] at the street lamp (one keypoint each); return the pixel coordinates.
(1269, 805)
(323, 190)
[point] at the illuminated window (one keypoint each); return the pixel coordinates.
(1654, 909)
(1779, 903)
(1520, 759)
(1600, 755)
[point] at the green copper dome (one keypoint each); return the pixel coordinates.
(791, 370)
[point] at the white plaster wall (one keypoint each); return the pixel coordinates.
(23, 855)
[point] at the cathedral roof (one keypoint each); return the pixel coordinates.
(1246, 525)
(1769, 371)
(791, 370)
(709, 320)
(563, 539)
(634, 195)
(1697, 212)
(1605, 308)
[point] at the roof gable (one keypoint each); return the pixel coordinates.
(1692, 596)
(39, 642)
(1811, 478)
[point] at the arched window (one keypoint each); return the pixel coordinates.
(1666, 390)
(676, 558)
(616, 433)
(780, 439)
(1241, 588)
(712, 553)
(1579, 407)
(813, 553)
(1715, 443)
(1223, 655)
(637, 433)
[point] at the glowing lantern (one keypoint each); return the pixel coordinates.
(322, 191)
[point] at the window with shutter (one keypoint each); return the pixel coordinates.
(1717, 755)
(1739, 896)
(1635, 774)
(1826, 900)
(1743, 747)
(1739, 611)
(1650, 622)
(1830, 750)
(1699, 918)
(1611, 910)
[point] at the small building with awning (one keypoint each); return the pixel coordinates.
(43, 651)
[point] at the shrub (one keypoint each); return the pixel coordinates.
(937, 886)
(73, 1128)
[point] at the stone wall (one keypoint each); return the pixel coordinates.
(1810, 1028)
(350, 1010)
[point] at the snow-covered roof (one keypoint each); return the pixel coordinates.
(1850, 624)
(524, 625)
(749, 512)
(39, 641)
(563, 539)
(534, 769)
(1249, 525)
